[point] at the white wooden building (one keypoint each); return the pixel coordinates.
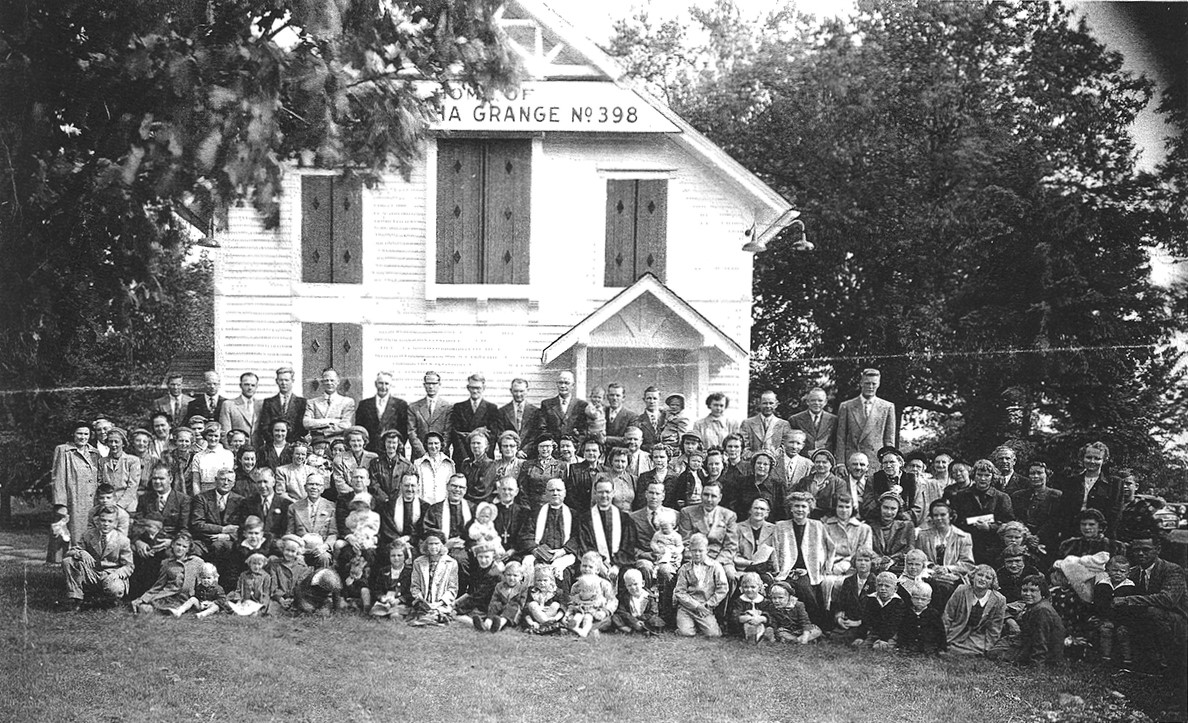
(579, 225)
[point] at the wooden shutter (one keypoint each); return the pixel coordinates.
(507, 213)
(651, 227)
(316, 228)
(347, 359)
(316, 346)
(459, 211)
(620, 232)
(347, 266)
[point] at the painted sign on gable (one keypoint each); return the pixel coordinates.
(583, 106)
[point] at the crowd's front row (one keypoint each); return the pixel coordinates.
(554, 570)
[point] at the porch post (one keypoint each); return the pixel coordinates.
(579, 371)
(703, 380)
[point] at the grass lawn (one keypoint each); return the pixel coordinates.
(112, 666)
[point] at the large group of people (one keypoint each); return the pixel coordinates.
(582, 517)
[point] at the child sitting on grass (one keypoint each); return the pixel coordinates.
(391, 583)
(175, 583)
(1113, 636)
(544, 614)
(748, 610)
(788, 619)
(484, 577)
(1041, 632)
(208, 598)
(506, 601)
(591, 598)
(701, 585)
(639, 607)
(667, 544)
(286, 571)
(434, 583)
(254, 589)
(921, 629)
(881, 614)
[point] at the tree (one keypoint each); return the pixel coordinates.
(118, 112)
(980, 227)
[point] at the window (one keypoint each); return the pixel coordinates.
(636, 229)
(331, 230)
(332, 345)
(483, 210)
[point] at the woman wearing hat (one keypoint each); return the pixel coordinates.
(760, 484)
(534, 476)
(140, 443)
(75, 479)
(822, 484)
(356, 455)
(121, 470)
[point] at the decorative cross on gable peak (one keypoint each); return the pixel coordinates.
(543, 52)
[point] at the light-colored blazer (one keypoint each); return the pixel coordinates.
(719, 526)
(319, 521)
(751, 430)
(817, 549)
(858, 433)
(746, 544)
(293, 477)
(958, 549)
(242, 414)
(329, 417)
(441, 587)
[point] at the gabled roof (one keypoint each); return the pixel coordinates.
(773, 213)
(581, 332)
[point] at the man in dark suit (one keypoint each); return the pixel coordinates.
(510, 516)
(175, 403)
(652, 419)
(819, 426)
(607, 530)
(215, 517)
(209, 404)
(522, 418)
(452, 517)
(168, 508)
(383, 412)
(564, 415)
(285, 405)
(430, 413)
(1159, 609)
(472, 414)
(618, 417)
(271, 508)
(402, 516)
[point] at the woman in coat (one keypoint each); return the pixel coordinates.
(975, 614)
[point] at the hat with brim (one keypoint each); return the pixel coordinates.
(356, 429)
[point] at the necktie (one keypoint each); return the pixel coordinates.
(174, 412)
(222, 503)
(519, 416)
(160, 504)
(430, 406)
(284, 405)
(210, 404)
(1145, 580)
(654, 515)
(866, 407)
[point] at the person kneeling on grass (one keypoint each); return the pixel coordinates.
(98, 566)
(639, 607)
(176, 580)
(434, 583)
(921, 629)
(391, 584)
(591, 598)
(545, 612)
(748, 610)
(286, 571)
(506, 601)
(789, 619)
(1041, 631)
(208, 598)
(881, 613)
(701, 585)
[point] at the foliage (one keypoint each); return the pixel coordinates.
(981, 230)
(118, 112)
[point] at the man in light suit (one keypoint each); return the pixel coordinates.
(175, 403)
(865, 423)
(522, 418)
(618, 417)
(564, 415)
(471, 415)
(764, 431)
(285, 405)
(314, 514)
(949, 550)
(429, 414)
(208, 404)
(819, 426)
(329, 415)
(245, 411)
(383, 412)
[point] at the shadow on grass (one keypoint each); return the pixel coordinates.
(84, 666)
